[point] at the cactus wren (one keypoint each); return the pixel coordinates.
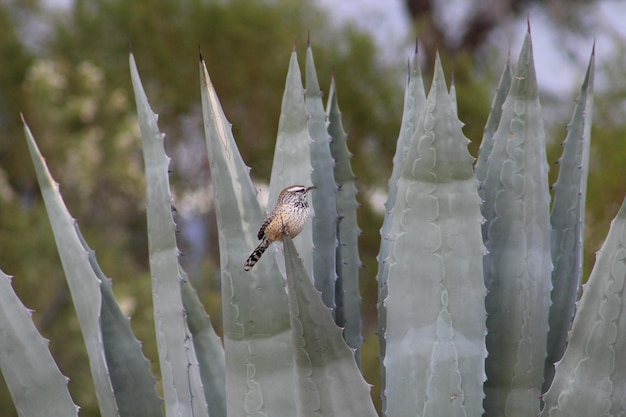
(288, 217)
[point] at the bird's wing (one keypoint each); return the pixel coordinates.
(267, 221)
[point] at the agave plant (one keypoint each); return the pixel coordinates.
(477, 279)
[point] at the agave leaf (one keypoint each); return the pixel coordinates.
(455, 105)
(324, 198)
(257, 332)
(414, 101)
(182, 386)
(517, 265)
(209, 350)
(493, 120)
(292, 161)
(590, 380)
(129, 370)
(348, 262)
(328, 380)
(37, 387)
(83, 283)
(567, 219)
(435, 304)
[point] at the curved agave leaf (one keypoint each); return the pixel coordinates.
(292, 161)
(590, 380)
(209, 350)
(453, 98)
(257, 331)
(517, 265)
(182, 386)
(129, 370)
(83, 283)
(324, 198)
(567, 219)
(493, 120)
(414, 101)
(37, 387)
(328, 380)
(348, 262)
(435, 304)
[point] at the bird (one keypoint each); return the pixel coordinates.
(288, 217)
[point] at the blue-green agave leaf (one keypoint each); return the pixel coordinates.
(292, 161)
(517, 265)
(324, 198)
(567, 219)
(209, 350)
(414, 101)
(435, 304)
(493, 120)
(328, 380)
(455, 105)
(83, 283)
(257, 332)
(182, 386)
(348, 261)
(129, 370)
(36, 385)
(590, 380)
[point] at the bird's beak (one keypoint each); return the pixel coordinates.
(313, 187)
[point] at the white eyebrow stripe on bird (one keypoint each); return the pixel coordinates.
(296, 188)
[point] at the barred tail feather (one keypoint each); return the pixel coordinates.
(256, 254)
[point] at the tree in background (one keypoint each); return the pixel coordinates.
(485, 17)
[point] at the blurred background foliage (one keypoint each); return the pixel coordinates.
(65, 66)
